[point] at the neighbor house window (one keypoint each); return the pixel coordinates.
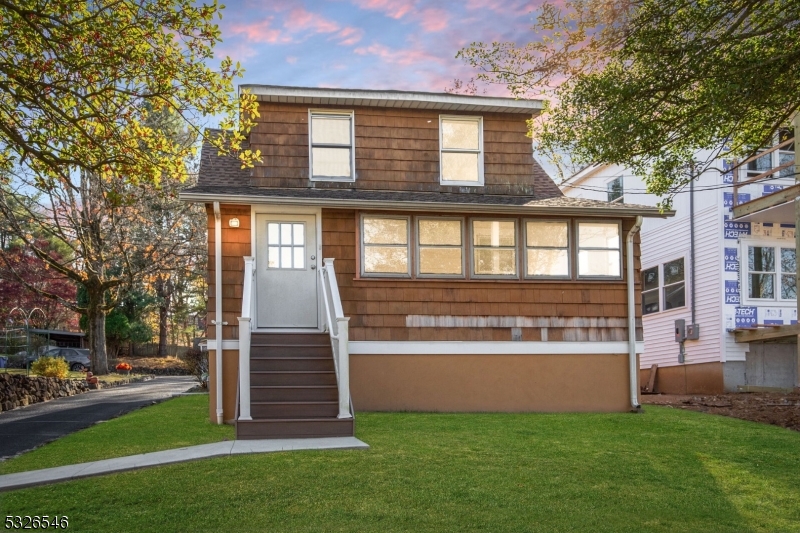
(461, 150)
(666, 284)
(494, 248)
(775, 158)
(385, 249)
(615, 192)
(331, 145)
(650, 292)
(547, 248)
(441, 247)
(771, 273)
(599, 250)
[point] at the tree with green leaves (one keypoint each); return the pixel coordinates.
(650, 83)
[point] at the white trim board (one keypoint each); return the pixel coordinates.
(473, 347)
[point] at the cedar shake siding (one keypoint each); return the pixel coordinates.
(427, 309)
(396, 149)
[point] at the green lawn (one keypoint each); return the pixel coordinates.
(178, 422)
(663, 471)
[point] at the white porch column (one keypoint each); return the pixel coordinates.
(343, 325)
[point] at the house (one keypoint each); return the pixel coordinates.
(719, 296)
(404, 250)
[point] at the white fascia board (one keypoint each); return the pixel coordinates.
(336, 203)
(473, 347)
(583, 174)
(401, 99)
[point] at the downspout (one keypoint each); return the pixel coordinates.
(218, 306)
(634, 371)
(691, 242)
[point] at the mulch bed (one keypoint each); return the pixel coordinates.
(779, 409)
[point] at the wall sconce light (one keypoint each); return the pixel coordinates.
(233, 223)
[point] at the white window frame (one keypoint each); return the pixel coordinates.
(280, 245)
(663, 285)
(621, 198)
(464, 248)
(578, 248)
(362, 246)
(744, 273)
(463, 118)
(472, 248)
(656, 290)
(340, 113)
(525, 247)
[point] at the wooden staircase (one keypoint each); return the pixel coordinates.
(293, 389)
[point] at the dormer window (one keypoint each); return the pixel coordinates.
(615, 191)
(461, 150)
(331, 145)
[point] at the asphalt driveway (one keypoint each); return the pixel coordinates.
(28, 427)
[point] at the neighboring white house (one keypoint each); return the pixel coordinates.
(734, 279)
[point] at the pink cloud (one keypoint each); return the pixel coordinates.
(395, 9)
(302, 19)
(291, 60)
(407, 56)
(503, 6)
(259, 32)
(433, 19)
(349, 36)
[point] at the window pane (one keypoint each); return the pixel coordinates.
(440, 232)
(495, 262)
(385, 230)
(459, 166)
(299, 257)
(386, 259)
(548, 262)
(552, 234)
(598, 235)
(286, 234)
(286, 257)
(761, 259)
(615, 189)
(440, 261)
(762, 164)
(297, 231)
(650, 279)
(785, 157)
(272, 233)
(649, 302)
(461, 134)
(273, 257)
(331, 162)
(762, 286)
(674, 296)
(598, 263)
(673, 271)
(330, 130)
(493, 233)
(788, 261)
(789, 287)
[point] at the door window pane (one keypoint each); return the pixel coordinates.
(285, 245)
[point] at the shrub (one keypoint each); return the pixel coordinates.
(50, 367)
(196, 363)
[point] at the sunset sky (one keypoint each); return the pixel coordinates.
(366, 44)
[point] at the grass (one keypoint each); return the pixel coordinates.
(108, 378)
(663, 471)
(178, 422)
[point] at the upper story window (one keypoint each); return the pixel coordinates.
(615, 191)
(599, 250)
(771, 273)
(461, 150)
(385, 246)
(331, 145)
(775, 158)
(669, 287)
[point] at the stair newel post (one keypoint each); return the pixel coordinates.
(244, 341)
(344, 367)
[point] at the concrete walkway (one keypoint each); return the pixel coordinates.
(178, 455)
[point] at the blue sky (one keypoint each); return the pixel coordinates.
(366, 44)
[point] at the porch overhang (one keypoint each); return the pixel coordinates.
(767, 333)
(778, 207)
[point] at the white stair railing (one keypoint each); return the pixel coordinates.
(338, 327)
(244, 340)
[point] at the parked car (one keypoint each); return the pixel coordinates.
(21, 358)
(77, 358)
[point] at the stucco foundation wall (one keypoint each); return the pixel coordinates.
(507, 383)
(703, 378)
(230, 377)
(771, 365)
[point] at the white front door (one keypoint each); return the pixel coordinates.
(286, 271)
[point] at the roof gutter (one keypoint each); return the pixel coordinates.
(344, 203)
(632, 366)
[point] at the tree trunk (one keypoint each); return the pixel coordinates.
(164, 292)
(97, 331)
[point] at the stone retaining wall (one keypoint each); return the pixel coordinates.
(17, 390)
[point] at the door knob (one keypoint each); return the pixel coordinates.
(313, 257)
(313, 267)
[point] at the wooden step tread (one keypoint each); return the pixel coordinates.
(282, 345)
(295, 358)
(305, 402)
(297, 420)
(293, 386)
(292, 371)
